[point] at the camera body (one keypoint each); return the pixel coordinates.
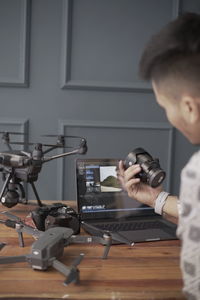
(151, 173)
(56, 214)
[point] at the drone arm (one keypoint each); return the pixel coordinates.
(9, 223)
(12, 259)
(81, 150)
(7, 143)
(106, 240)
(21, 227)
(17, 226)
(77, 239)
(8, 146)
(71, 273)
(46, 159)
(113, 235)
(50, 149)
(60, 267)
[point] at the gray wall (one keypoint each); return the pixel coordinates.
(70, 67)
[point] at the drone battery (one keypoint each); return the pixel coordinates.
(50, 245)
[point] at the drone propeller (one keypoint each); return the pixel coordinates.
(62, 136)
(10, 132)
(11, 216)
(21, 143)
(114, 235)
(20, 226)
(45, 145)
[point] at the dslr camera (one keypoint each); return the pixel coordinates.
(56, 214)
(151, 172)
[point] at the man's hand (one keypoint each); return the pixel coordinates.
(134, 187)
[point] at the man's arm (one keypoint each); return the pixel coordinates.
(146, 194)
(170, 208)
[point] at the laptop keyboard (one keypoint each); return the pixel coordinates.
(127, 226)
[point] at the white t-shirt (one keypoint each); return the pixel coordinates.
(189, 227)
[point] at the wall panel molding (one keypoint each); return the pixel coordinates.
(66, 47)
(67, 124)
(21, 78)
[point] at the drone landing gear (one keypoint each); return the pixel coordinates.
(36, 194)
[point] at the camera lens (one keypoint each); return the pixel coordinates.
(151, 172)
(156, 177)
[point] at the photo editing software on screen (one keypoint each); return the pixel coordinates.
(100, 192)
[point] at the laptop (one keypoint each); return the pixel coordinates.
(104, 206)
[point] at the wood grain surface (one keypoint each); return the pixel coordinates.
(145, 271)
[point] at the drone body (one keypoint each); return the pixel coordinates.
(19, 167)
(49, 248)
(46, 251)
(51, 244)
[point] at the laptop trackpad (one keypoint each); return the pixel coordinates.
(146, 235)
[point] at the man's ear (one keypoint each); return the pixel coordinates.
(190, 108)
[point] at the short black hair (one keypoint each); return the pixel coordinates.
(175, 50)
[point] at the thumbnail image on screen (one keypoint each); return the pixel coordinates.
(108, 179)
(101, 179)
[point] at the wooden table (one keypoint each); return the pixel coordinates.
(145, 271)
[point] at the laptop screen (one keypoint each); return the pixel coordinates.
(99, 194)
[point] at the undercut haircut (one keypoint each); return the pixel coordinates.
(174, 52)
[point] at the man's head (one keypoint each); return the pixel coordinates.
(171, 60)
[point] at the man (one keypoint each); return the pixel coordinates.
(171, 61)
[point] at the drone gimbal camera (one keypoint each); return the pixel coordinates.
(20, 167)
